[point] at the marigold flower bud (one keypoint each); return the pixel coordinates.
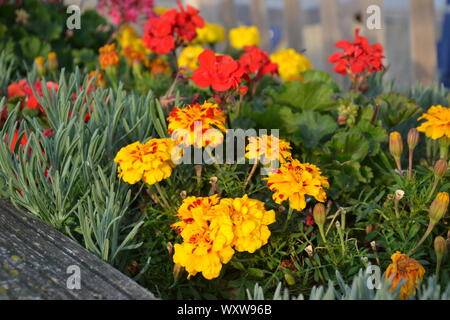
(319, 214)
(309, 250)
(176, 271)
(370, 228)
(399, 194)
(439, 207)
(395, 145)
(39, 64)
(289, 279)
(413, 138)
(440, 246)
(440, 168)
(52, 61)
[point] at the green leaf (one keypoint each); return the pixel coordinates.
(306, 96)
(347, 146)
(322, 77)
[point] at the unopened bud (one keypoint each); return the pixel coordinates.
(370, 228)
(440, 168)
(169, 247)
(439, 207)
(39, 64)
(198, 170)
(309, 250)
(289, 279)
(440, 246)
(183, 194)
(399, 194)
(319, 214)
(395, 145)
(176, 271)
(52, 61)
(413, 138)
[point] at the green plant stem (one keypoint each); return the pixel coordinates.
(322, 234)
(433, 188)
(425, 236)
(444, 143)
(341, 239)
(397, 213)
(288, 218)
(163, 197)
(410, 163)
(438, 267)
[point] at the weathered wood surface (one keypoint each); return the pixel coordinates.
(34, 261)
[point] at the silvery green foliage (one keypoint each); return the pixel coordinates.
(428, 96)
(82, 188)
(6, 69)
(358, 290)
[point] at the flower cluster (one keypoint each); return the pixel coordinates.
(290, 64)
(196, 125)
(437, 124)
(268, 149)
(23, 90)
(122, 11)
(108, 56)
(294, 180)
(221, 72)
(358, 57)
(164, 33)
(405, 268)
(257, 62)
(213, 228)
(150, 161)
(132, 46)
(244, 36)
(210, 33)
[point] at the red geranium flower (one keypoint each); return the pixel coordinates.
(256, 61)
(162, 34)
(219, 72)
(358, 56)
(23, 89)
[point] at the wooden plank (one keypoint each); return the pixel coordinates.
(293, 24)
(331, 29)
(259, 18)
(423, 40)
(376, 35)
(228, 10)
(34, 262)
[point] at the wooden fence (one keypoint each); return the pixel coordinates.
(337, 22)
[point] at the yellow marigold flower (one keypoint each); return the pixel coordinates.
(291, 64)
(210, 33)
(150, 162)
(241, 37)
(268, 148)
(40, 65)
(404, 267)
(250, 221)
(160, 10)
(196, 125)
(207, 238)
(438, 124)
(52, 61)
(108, 56)
(132, 46)
(294, 180)
(189, 56)
(194, 209)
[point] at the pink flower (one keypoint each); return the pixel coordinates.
(123, 11)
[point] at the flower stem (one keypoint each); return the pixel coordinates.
(425, 236)
(252, 172)
(163, 197)
(410, 163)
(433, 189)
(288, 218)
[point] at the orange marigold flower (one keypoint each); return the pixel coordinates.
(268, 148)
(100, 78)
(405, 268)
(294, 180)
(151, 161)
(437, 124)
(158, 66)
(108, 56)
(196, 125)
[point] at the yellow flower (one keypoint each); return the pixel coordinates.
(52, 61)
(132, 46)
(195, 125)
(438, 124)
(250, 221)
(100, 78)
(404, 267)
(268, 148)
(291, 64)
(108, 56)
(160, 10)
(188, 57)
(39, 64)
(150, 162)
(294, 180)
(241, 37)
(207, 237)
(210, 33)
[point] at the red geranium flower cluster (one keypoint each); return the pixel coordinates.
(221, 72)
(358, 56)
(162, 34)
(256, 61)
(23, 89)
